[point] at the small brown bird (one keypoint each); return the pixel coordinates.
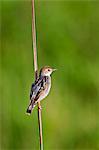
(40, 88)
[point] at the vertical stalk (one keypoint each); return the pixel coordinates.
(36, 72)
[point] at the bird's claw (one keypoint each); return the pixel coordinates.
(40, 108)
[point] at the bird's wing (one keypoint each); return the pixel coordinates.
(39, 89)
(40, 92)
(36, 87)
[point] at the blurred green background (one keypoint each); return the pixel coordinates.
(67, 39)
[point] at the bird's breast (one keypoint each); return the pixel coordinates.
(46, 90)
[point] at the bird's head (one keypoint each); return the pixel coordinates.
(46, 71)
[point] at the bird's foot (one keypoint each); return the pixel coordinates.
(40, 108)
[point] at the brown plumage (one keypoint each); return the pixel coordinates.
(40, 88)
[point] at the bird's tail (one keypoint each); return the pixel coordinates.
(29, 109)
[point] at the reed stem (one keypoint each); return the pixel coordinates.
(36, 71)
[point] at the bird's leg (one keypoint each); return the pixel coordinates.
(40, 107)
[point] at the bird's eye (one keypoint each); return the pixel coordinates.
(48, 69)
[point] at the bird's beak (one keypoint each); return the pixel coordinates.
(54, 69)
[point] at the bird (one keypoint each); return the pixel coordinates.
(40, 88)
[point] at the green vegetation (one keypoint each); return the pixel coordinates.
(67, 39)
